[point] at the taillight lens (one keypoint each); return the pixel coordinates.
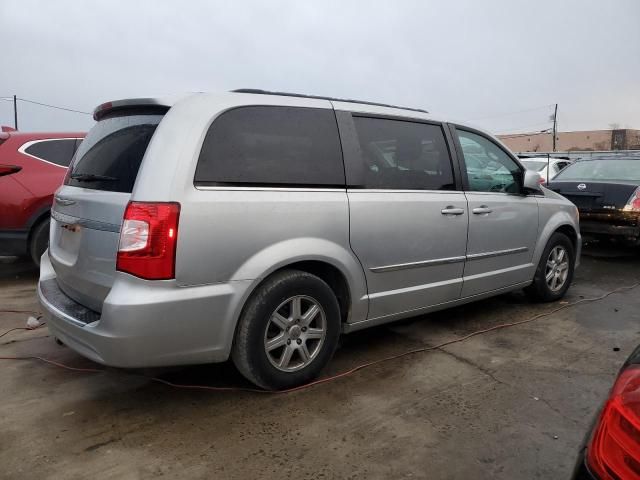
(9, 169)
(148, 240)
(614, 450)
(633, 204)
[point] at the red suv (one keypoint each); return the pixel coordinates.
(32, 167)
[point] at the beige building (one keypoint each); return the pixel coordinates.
(624, 139)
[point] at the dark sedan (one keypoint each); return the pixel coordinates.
(612, 448)
(607, 194)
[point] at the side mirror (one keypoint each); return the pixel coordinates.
(532, 181)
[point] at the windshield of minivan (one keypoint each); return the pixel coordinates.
(602, 170)
(109, 157)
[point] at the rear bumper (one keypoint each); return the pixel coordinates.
(145, 324)
(609, 229)
(14, 242)
(612, 223)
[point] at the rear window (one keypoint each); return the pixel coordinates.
(110, 155)
(272, 146)
(601, 170)
(58, 152)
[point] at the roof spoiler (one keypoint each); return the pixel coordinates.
(134, 104)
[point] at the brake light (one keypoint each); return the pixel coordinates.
(633, 204)
(148, 240)
(614, 450)
(9, 169)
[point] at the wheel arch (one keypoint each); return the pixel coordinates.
(332, 263)
(561, 222)
(331, 275)
(42, 216)
(570, 232)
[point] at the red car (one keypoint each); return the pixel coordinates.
(611, 451)
(32, 167)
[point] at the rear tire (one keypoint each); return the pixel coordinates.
(288, 331)
(555, 270)
(39, 240)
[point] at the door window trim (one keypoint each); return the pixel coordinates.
(465, 181)
(352, 154)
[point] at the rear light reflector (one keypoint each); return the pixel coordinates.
(9, 169)
(614, 449)
(148, 240)
(633, 204)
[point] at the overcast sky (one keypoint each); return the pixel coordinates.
(470, 60)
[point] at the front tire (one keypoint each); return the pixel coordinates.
(555, 270)
(288, 331)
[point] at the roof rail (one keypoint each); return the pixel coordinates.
(300, 95)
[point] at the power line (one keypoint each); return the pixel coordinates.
(54, 106)
(514, 135)
(510, 113)
(513, 130)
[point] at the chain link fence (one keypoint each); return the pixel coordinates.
(577, 155)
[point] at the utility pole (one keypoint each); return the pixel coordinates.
(555, 126)
(15, 112)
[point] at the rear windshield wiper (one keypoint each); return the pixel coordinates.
(90, 177)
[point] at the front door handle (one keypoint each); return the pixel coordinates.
(451, 210)
(481, 210)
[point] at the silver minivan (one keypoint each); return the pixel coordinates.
(260, 226)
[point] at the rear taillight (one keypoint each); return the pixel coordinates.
(9, 169)
(614, 450)
(633, 204)
(148, 240)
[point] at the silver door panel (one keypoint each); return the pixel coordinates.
(502, 238)
(412, 252)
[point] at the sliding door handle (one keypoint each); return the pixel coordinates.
(482, 210)
(451, 210)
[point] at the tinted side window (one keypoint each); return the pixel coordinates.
(272, 146)
(489, 168)
(403, 155)
(110, 155)
(54, 151)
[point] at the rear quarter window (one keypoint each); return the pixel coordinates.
(58, 152)
(110, 155)
(272, 146)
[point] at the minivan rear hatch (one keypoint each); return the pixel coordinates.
(88, 209)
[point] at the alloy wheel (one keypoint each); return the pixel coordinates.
(295, 333)
(557, 268)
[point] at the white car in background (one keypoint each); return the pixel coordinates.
(547, 168)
